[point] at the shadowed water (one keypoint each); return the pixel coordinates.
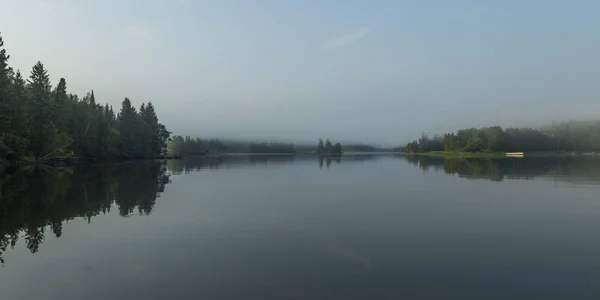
(285, 227)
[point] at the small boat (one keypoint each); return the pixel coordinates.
(514, 154)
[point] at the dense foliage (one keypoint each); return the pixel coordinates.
(40, 121)
(328, 148)
(491, 139)
(190, 146)
(180, 145)
(193, 146)
(575, 135)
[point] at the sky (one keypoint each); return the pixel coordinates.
(377, 72)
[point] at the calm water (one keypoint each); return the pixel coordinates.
(362, 227)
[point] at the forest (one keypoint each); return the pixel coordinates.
(328, 148)
(179, 145)
(194, 146)
(42, 122)
(566, 136)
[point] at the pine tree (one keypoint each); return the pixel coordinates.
(35, 119)
(5, 96)
(20, 118)
(111, 117)
(153, 135)
(92, 100)
(11, 141)
(64, 109)
(337, 148)
(328, 146)
(129, 128)
(42, 114)
(106, 113)
(60, 94)
(39, 80)
(93, 140)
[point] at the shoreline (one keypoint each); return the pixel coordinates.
(460, 154)
(290, 154)
(452, 154)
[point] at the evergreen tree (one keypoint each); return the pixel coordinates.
(328, 146)
(320, 147)
(20, 105)
(128, 127)
(92, 100)
(36, 120)
(164, 135)
(153, 142)
(5, 96)
(60, 93)
(106, 113)
(42, 131)
(336, 149)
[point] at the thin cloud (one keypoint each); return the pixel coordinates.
(346, 39)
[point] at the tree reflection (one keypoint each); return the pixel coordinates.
(194, 164)
(36, 200)
(567, 168)
(271, 159)
(199, 163)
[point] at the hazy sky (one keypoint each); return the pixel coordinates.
(374, 71)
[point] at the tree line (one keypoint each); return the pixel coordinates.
(328, 148)
(562, 137)
(192, 146)
(39, 121)
(180, 145)
(196, 146)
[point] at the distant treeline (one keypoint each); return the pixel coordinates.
(365, 148)
(568, 136)
(328, 148)
(41, 122)
(192, 146)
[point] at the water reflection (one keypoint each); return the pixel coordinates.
(563, 168)
(39, 200)
(199, 163)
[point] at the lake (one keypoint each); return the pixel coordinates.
(284, 227)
